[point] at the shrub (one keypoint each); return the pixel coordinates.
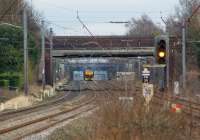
(11, 56)
(198, 57)
(4, 83)
(11, 79)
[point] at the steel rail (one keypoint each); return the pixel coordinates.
(29, 123)
(8, 114)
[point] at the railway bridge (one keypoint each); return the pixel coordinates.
(98, 46)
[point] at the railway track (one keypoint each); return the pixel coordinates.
(62, 113)
(48, 116)
(189, 107)
(6, 115)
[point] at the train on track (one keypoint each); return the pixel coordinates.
(88, 75)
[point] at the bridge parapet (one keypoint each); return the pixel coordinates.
(107, 42)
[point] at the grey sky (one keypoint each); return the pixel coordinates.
(95, 14)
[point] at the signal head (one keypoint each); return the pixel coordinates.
(161, 51)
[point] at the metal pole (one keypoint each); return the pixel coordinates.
(168, 66)
(54, 71)
(184, 53)
(154, 78)
(51, 62)
(126, 86)
(139, 67)
(43, 56)
(25, 51)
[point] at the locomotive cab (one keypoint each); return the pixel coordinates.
(88, 75)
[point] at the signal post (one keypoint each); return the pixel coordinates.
(162, 62)
(162, 58)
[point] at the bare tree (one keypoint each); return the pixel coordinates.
(183, 12)
(173, 26)
(10, 11)
(143, 26)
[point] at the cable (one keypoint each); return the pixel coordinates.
(89, 32)
(84, 26)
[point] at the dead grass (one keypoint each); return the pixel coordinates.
(6, 94)
(118, 120)
(193, 83)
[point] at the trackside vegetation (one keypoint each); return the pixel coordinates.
(11, 55)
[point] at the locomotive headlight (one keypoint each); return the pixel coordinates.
(88, 73)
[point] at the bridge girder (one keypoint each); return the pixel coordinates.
(125, 52)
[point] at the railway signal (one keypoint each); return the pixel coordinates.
(162, 59)
(161, 51)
